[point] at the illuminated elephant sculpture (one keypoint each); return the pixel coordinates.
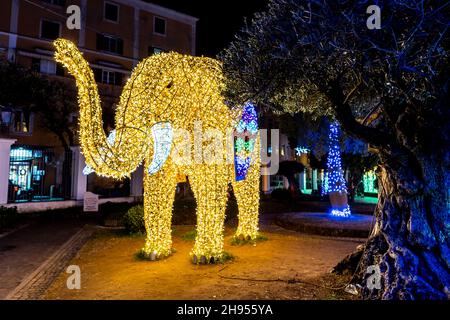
(165, 92)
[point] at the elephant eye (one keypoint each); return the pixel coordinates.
(170, 85)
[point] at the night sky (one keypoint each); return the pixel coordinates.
(219, 20)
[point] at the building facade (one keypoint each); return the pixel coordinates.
(114, 36)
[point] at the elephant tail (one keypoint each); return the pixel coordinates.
(245, 137)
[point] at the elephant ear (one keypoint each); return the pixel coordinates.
(245, 135)
(162, 133)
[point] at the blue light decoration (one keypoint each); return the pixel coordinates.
(345, 212)
(245, 137)
(301, 150)
(334, 177)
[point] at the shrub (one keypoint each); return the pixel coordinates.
(133, 220)
(8, 217)
(281, 194)
(189, 236)
(236, 241)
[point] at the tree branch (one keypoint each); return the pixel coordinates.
(345, 116)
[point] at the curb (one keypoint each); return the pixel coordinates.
(35, 285)
(309, 228)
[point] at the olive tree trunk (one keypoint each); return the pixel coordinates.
(410, 241)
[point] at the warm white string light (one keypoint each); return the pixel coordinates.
(169, 91)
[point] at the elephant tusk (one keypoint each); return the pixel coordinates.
(162, 143)
(111, 138)
(88, 170)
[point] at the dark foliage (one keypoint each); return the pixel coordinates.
(8, 217)
(53, 101)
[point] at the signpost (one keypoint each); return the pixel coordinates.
(90, 202)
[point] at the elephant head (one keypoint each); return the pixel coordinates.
(164, 91)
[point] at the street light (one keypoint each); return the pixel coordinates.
(5, 118)
(6, 115)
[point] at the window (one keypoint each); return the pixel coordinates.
(46, 67)
(49, 30)
(61, 3)
(21, 122)
(111, 12)
(108, 77)
(154, 50)
(159, 26)
(109, 43)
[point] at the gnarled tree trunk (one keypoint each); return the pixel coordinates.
(410, 242)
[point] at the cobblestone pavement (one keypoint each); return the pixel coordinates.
(31, 257)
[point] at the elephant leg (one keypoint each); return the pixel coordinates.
(209, 184)
(247, 197)
(159, 194)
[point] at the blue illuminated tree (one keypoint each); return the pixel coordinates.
(334, 178)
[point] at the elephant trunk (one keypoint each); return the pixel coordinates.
(125, 148)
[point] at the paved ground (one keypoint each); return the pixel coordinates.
(34, 256)
(25, 250)
(289, 265)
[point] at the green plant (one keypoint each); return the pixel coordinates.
(8, 217)
(226, 256)
(133, 220)
(141, 255)
(189, 236)
(235, 241)
(281, 194)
